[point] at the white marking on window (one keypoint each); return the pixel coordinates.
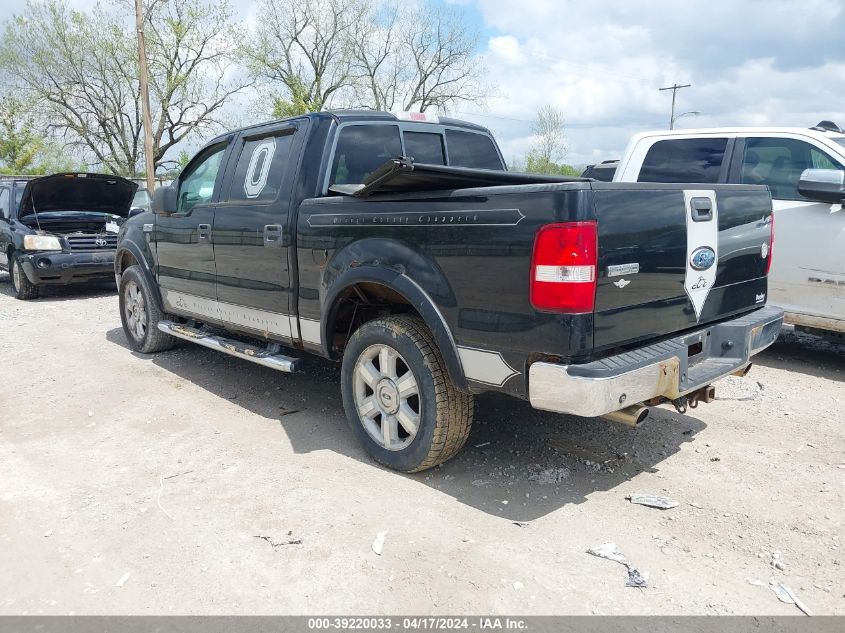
(259, 167)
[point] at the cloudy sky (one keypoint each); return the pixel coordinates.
(601, 62)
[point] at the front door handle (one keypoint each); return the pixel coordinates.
(273, 234)
(203, 232)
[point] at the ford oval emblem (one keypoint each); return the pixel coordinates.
(702, 258)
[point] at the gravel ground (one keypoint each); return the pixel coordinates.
(192, 482)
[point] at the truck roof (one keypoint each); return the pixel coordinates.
(352, 114)
(743, 130)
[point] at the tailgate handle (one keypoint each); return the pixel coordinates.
(702, 209)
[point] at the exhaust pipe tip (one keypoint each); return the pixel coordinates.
(744, 371)
(631, 416)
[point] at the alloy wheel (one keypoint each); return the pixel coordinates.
(136, 312)
(387, 397)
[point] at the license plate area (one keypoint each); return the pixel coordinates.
(697, 347)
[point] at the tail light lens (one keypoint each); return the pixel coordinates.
(563, 269)
(771, 242)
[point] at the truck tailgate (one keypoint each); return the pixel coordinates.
(672, 257)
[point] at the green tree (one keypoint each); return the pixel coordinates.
(364, 53)
(550, 148)
(82, 68)
(24, 149)
(297, 103)
(304, 47)
(415, 56)
(20, 142)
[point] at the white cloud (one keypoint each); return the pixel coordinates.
(755, 62)
(774, 62)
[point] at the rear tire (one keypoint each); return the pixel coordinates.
(23, 287)
(140, 314)
(398, 397)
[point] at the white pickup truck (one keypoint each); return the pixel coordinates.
(805, 171)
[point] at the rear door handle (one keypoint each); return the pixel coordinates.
(702, 209)
(273, 234)
(203, 231)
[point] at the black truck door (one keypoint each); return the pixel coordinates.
(252, 233)
(184, 250)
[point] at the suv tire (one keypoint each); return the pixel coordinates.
(398, 397)
(23, 287)
(140, 314)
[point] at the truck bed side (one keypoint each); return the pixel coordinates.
(469, 253)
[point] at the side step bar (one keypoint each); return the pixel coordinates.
(232, 347)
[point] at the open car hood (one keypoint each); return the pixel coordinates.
(77, 192)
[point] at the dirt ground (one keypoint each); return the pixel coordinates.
(194, 483)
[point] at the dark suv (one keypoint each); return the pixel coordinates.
(61, 229)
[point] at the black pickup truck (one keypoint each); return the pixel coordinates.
(407, 250)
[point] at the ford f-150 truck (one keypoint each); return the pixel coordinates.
(805, 170)
(404, 248)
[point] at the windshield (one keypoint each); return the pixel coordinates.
(141, 199)
(840, 140)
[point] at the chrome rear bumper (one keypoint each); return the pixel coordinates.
(666, 369)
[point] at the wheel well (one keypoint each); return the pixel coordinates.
(362, 302)
(127, 259)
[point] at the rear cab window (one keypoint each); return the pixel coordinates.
(684, 160)
(470, 149)
(361, 148)
(425, 147)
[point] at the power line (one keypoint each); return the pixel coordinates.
(674, 88)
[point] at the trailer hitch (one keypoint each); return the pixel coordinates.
(705, 394)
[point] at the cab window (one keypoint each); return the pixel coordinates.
(261, 168)
(468, 149)
(684, 160)
(425, 147)
(779, 162)
(196, 184)
(361, 149)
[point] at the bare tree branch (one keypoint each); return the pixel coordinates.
(83, 67)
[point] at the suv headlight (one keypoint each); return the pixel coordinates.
(41, 243)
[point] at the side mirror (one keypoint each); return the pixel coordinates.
(135, 211)
(823, 185)
(164, 201)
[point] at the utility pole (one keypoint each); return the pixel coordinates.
(674, 88)
(143, 78)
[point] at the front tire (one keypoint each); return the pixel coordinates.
(23, 287)
(140, 314)
(398, 397)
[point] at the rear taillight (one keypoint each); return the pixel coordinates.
(771, 253)
(563, 269)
